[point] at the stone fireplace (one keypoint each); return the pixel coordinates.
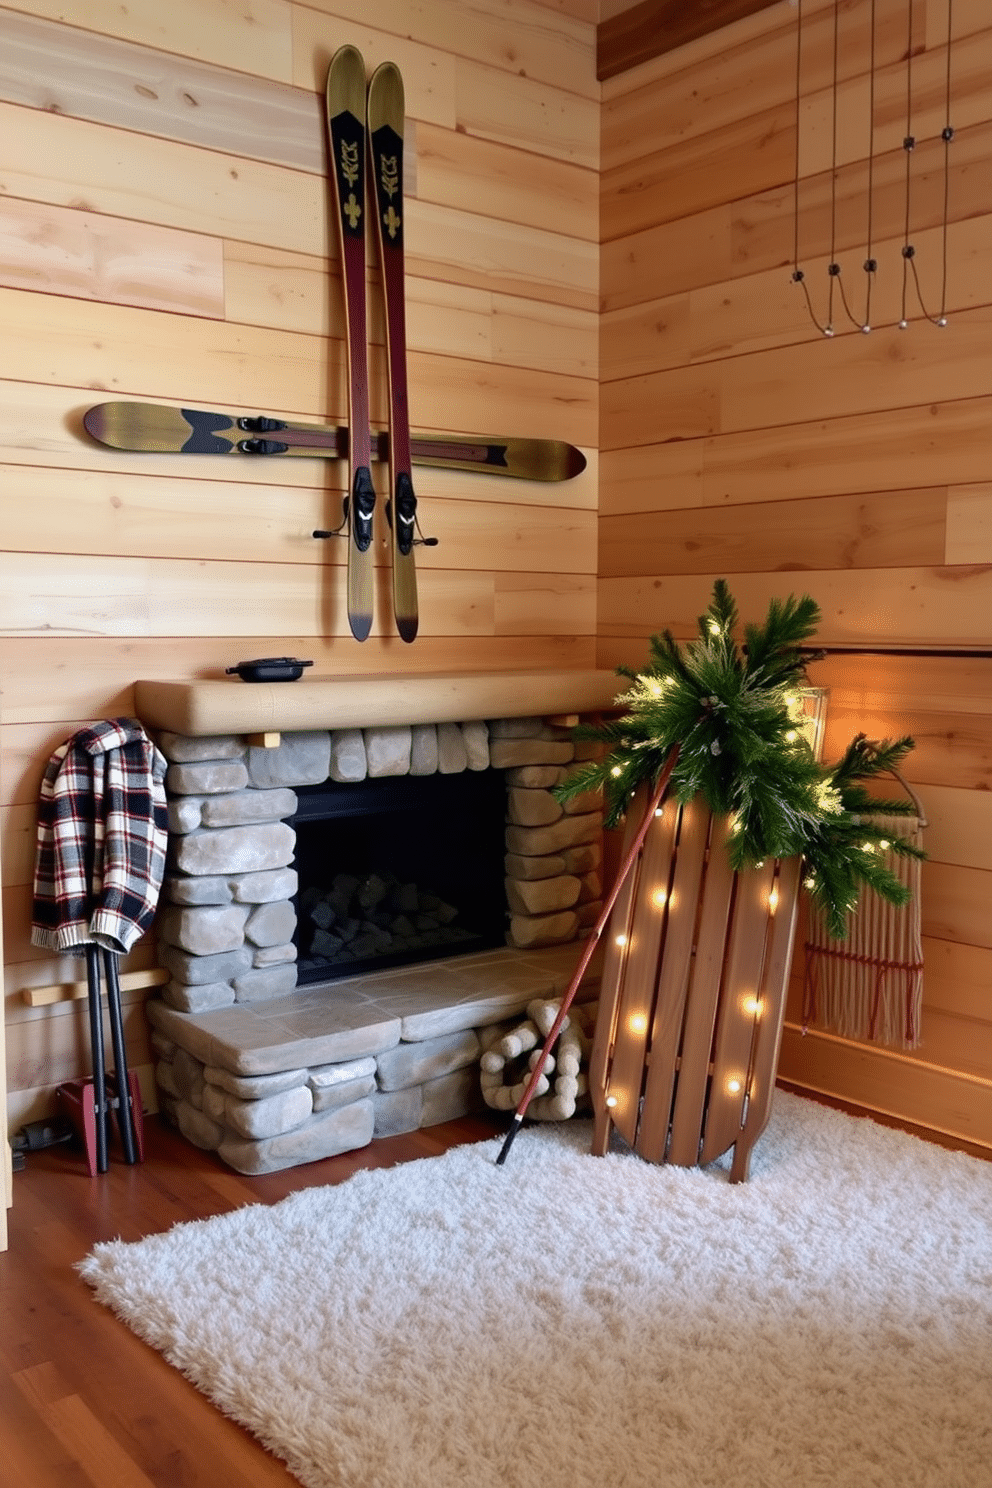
(270, 1074)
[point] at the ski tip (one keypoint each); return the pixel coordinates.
(360, 626)
(345, 91)
(407, 629)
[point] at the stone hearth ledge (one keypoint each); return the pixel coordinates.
(236, 707)
(270, 1085)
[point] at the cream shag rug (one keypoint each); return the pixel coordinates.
(569, 1321)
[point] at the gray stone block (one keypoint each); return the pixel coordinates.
(210, 778)
(412, 1064)
(185, 814)
(543, 930)
(452, 756)
(248, 806)
(451, 1096)
(204, 930)
(187, 1078)
(397, 1111)
(423, 749)
(326, 1076)
(197, 971)
(254, 1087)
(568, 832)
(348, 761)
(583, 859)
(543, 895)
(324, 1135)
(476, 736)
(532, 808)
(506, 754)
(387, 751)
(184, 749)
(536, 777)
(198, 1128)
(274, 955)
(271, 1115)
(232, 850)
(300, 759)
(176, 890)
(266, 982)
(329, 1098)
(546, 866)
(433, 1022)
(515, 728)
(271, 924)
(266, 887)
(213, 1103)
(201, 999)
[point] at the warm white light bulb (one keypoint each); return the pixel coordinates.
(752, 1005)
(638, 1023)
(733, 1086)
(620, 940)
(773, 901)
(611, 1101)
(659, 898)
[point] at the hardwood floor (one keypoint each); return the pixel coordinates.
(82, 1400)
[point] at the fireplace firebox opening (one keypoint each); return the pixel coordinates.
(398, 870)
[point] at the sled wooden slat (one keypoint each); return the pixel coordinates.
(672, 978)
(740, 1006)
(611, 984)
(768, 1036)
(704, 993)
(642, 948)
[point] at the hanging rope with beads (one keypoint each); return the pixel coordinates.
(836, 286)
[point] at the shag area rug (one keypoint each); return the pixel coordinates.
(567, 1321)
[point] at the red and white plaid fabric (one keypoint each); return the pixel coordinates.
(102, 836)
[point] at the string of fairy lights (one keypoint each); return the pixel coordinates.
(838, 302)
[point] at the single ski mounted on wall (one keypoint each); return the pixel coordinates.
(157, 428)
(386, 111)
(346, 132)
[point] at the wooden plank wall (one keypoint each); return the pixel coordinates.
(737, 441)
(164, 236)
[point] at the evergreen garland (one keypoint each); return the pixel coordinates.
(734, 713)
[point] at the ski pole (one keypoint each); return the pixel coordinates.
(625, 869)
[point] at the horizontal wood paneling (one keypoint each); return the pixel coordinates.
(836, 378)
(64, 252)
(123, 352)
(164, 236)
(523, 39)
(871, 451)
(74, 594)
(100, 513)
(896, 606)
(82, 678)
(739, 442)
(190, 29)
(894, 529)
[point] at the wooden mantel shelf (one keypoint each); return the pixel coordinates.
(255, 708)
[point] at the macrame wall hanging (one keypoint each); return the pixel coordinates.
(833, 306)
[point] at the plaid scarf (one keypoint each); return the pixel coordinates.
(102, 835)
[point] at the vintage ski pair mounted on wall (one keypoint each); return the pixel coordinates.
(363, 120)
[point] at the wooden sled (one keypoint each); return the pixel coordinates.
(696, 968)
